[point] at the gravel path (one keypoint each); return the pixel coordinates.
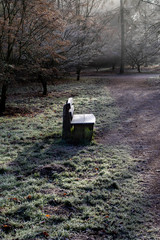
(139, 104)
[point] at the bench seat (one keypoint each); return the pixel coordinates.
(83, 119)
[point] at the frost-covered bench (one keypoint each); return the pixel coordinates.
(77, 126)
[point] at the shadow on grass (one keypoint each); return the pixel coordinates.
(47, 154)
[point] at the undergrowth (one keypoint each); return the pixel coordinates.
(52, 190)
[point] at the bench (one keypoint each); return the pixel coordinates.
(78, 127)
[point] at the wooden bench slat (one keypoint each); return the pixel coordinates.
(83, 119)
(70, 101)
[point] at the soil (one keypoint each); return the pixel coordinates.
(139, 104)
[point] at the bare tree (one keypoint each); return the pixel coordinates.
(83, 30)
(26, 26)
(30, 31)
(142, 44)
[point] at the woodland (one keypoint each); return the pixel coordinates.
(42, 40)
(105, 54)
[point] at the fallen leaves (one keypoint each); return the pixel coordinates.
(6, 228)
(15, 199)
(29, 197)
(45, 234)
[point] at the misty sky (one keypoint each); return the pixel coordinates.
(112, 3)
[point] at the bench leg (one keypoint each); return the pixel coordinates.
(83, 132)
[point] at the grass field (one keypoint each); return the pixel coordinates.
(53, 190)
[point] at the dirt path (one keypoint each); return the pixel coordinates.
(139, 104)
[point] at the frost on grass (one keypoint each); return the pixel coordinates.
(50, 189)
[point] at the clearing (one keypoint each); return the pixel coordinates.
(108, 190)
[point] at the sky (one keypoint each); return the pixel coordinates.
(111, 4)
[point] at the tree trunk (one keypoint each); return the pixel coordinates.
(3, 98)
(139, 68)
(133, 66)
(78, 74)
(58, 3)
(9, 52)
(122, 35)
(44, 84)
